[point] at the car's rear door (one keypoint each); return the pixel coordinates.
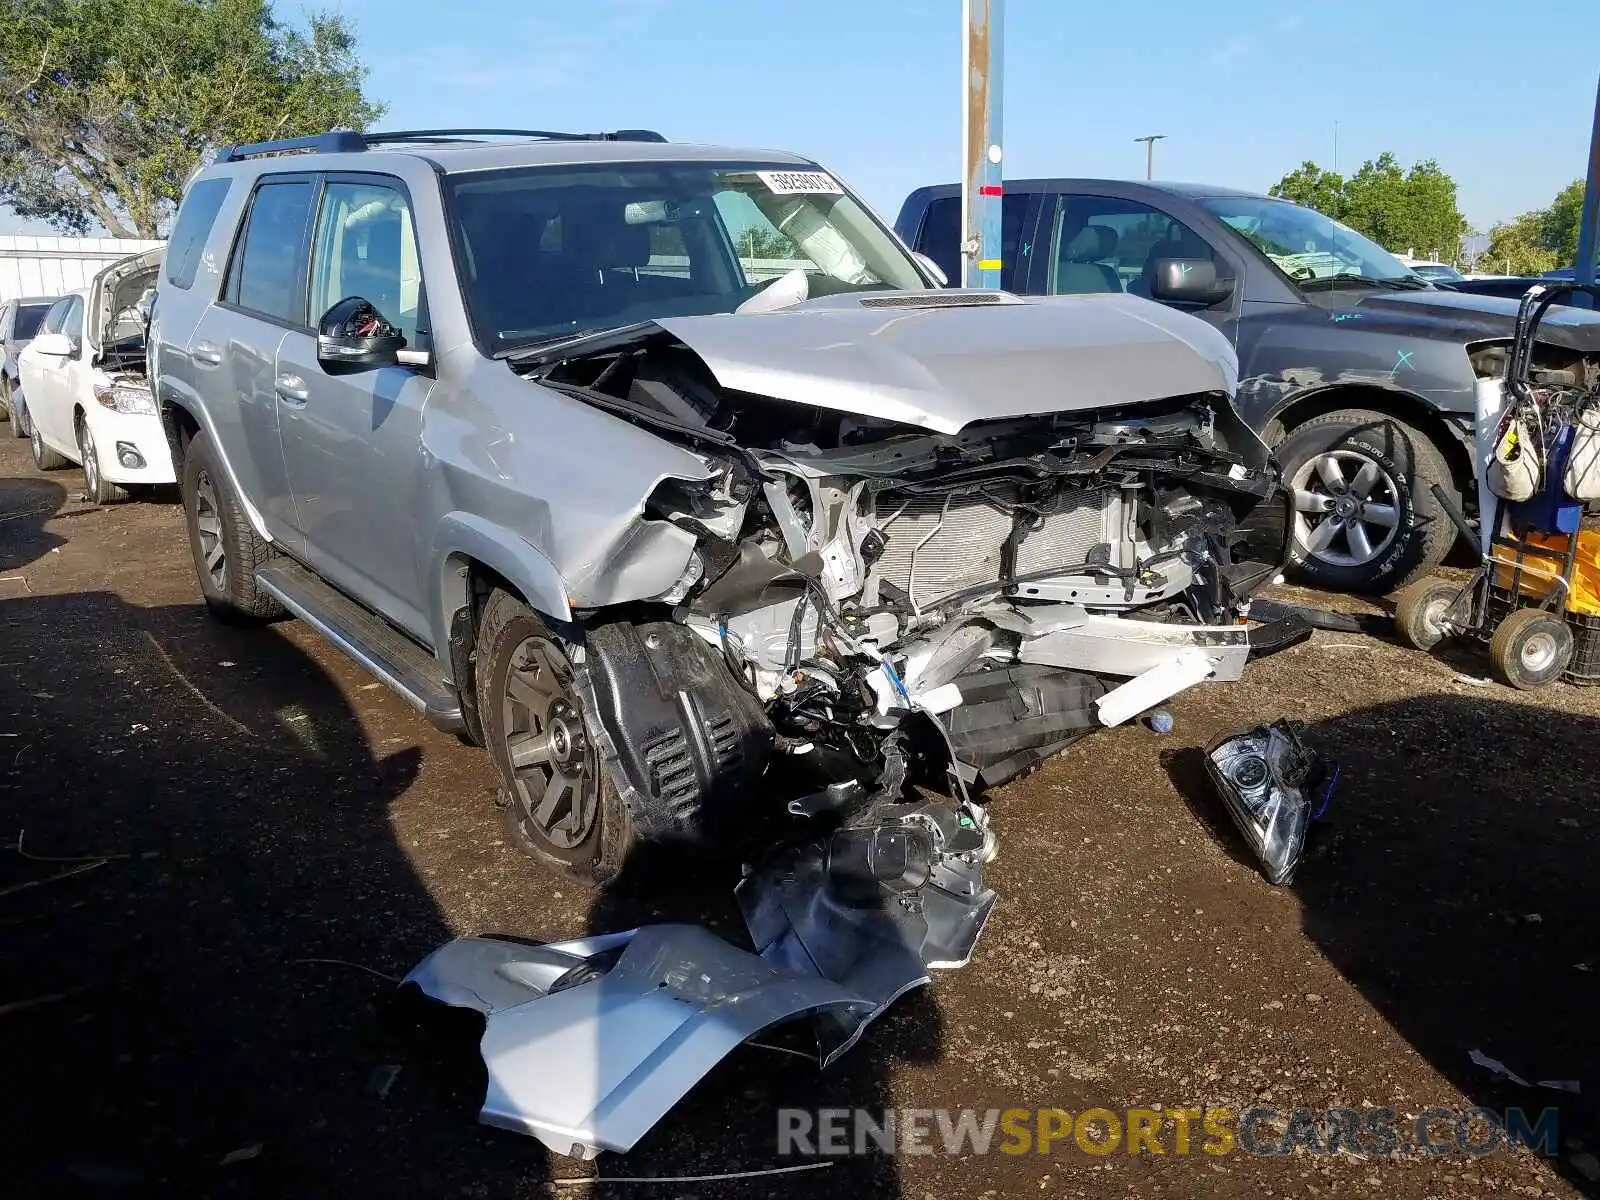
(353, 442)
(939, 237)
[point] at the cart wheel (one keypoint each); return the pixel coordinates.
(1422, 613)
(1530, 649)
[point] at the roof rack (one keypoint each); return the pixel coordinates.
(346, 141)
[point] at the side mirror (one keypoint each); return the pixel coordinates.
(1188, 281)
(353, 336)
(932, 268)
(57, 345)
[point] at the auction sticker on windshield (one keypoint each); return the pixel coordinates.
(800, 183)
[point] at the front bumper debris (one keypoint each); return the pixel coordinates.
(588, 1043)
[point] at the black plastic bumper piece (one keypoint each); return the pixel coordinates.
(686, 740)
(1011, 719)
(1288, 630)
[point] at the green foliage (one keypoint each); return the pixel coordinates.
(1559, 224)
(1515, 247)
(107, 106)
(767, 243)
(1309, 185)
(1399, 209)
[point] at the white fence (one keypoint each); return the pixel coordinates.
(50, 266)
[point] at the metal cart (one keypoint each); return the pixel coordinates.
(1519, 599)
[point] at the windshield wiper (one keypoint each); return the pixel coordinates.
(560, 345)
(1346, 278)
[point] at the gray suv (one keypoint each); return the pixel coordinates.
(661, 470)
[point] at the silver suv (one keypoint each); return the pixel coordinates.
(661, 469)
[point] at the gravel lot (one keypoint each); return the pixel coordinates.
(274, 822)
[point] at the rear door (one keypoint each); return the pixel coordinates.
(939, 237)
(353, 442)
(233, 350)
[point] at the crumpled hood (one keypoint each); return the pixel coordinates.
(1468, 317)
(944, 359)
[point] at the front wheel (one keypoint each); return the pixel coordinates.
(1365, 518)
(97, 488)
(226, 548)
(562, 806)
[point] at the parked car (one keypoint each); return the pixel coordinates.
(86, 386)
(1360, 375)
(530, 429)
(19, 321)
(1433, 272)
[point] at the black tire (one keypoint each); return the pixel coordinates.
(97, 489)
(1422, 613)
(44, 458)
(19, 417)
(1406, 464)
(1530, 649)
(5, 401)
(527, 703)
(216, 522)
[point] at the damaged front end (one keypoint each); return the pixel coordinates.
(1017, 583)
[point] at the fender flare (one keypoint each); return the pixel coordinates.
(462, 537)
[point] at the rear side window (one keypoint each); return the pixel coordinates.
(269, 257)
(193, 226)
(940, 237)
(56, 315)
(29, 318)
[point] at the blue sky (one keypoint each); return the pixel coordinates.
(1245, 90)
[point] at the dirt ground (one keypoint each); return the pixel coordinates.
(198, 1013)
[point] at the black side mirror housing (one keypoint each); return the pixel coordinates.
(353, 336)
(1188, 281)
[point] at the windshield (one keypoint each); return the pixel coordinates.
(29, 318)
(1301, 242)
(1436, 271)
(548, 252)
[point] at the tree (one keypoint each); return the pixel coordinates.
(1515, 246)
(1559, 224)
(108, 106)
(1400, 209)
(1311, 186)
(767, 243)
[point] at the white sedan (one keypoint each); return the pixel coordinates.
(88, 394)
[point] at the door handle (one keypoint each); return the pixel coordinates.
(292, 389)
(206, 353)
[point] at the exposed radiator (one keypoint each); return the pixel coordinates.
(966, 550)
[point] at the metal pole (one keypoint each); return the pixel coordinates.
(1150, 153)
(982, 75)
(1589, 228)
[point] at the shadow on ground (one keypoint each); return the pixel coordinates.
(1454, 884)
(176, 1034)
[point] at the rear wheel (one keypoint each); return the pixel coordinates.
(5, 398)
(20, 427)
(226, 548)
(44, 458)
(1365, 516)
(1530, 649)
(562, 806)
(97, 488)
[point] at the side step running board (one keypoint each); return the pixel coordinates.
(383, 650)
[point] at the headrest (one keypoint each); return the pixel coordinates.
(1090, 243)
(597, 234)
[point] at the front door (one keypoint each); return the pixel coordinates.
(50, 397)
(352, 443)
(1110, 244)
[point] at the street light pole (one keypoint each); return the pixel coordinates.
(1150, 141)
(982, 76)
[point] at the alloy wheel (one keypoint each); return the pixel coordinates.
(91, 464)
(1347, 508)
(208, 524)
(554, 769)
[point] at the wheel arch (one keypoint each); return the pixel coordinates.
(1394, 402)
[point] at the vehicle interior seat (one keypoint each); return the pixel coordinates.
(370, 265)
(1079, 267)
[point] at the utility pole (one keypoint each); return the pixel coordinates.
(1589, 226)
(982, 68)
(1150, 141)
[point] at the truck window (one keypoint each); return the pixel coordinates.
(366, 245)
(940, 238)
(268, 258)
(189, 233)
(1107, 244)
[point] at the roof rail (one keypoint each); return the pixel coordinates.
(345, 141)
(340, 141)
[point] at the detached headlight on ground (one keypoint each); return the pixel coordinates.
(125, 398)
(1274, 786)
